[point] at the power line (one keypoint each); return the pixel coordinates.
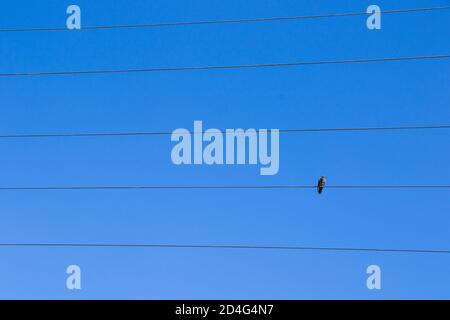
(224, 67)
(235, 247)
(227, 21)
(219, 187)
(159, 133)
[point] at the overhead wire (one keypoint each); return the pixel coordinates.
(224, 67)
(224, 21)
(221, 247)
(212, 187)
(160, 133)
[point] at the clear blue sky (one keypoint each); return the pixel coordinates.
(398, 93)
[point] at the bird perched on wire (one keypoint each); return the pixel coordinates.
(321, 184)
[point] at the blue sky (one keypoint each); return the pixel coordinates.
(398, 93)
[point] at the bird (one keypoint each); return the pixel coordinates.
(321, 184)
